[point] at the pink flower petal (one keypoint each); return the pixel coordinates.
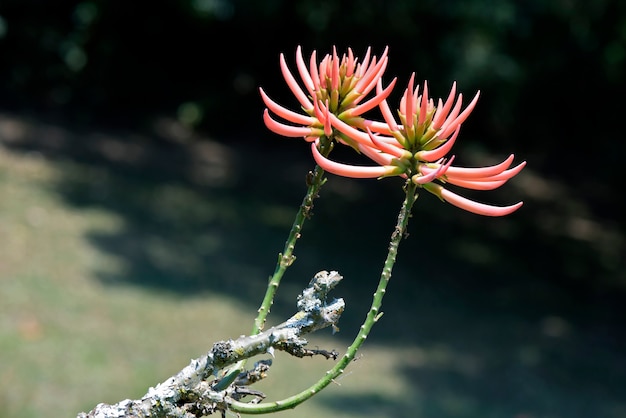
(480, 172)
(358, 136)
(293, 85)
(362, 67)
(388, 148)
(350, 63)
(408, 103)
(441, 151)
(374, 101)
(503, 176)
(315, 76)
(442, 110)
(476, 185)
(371, 70)
(322, 115)
(376, 155)
(448, 128)
(287, 130)
(304, 72)
(348, 170)
(440, 171)
(470, 205)
(285, 113)
(368, 82)
(324, 74)
(454, 112)
(386, 111)
(423, 109)
(379, 127)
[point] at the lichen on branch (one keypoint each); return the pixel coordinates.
(190, 393)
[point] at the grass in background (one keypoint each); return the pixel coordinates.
(118, 264)
(69, 341)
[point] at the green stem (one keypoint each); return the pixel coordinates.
(285, 259)
(315, 180)
(372, 317)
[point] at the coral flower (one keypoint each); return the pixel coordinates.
(334, 86)
(416, 148)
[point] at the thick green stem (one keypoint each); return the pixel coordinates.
(372, 317)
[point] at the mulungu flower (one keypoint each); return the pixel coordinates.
(416, 148)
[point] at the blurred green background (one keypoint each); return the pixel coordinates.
(143, 204)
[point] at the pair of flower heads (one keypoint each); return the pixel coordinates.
(338, 92)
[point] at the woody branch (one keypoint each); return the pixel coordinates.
(190, 394)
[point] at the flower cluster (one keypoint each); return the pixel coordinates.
(336, 89)
(415, 147)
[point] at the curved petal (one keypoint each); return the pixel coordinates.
(408, 103)
(440, 171)
(287, 130)
(358, 136)
(470, 205)
(454, 112)
(371, 73)
(475, 173)
(476, 185)
(350, 63)
(385, 110)
(449, 127)
(322, 115)
(373, 102)
(376, 155)
(293, 85)
(442, 110)
(424, 106)
(346, 170)
(507, 174)
(362, 67)
(366, 84)
(388, 148)
(378, 127)
(285, 113)
(503, 176)
(334, 77)
(439, 152)
(314, 73)
(304, 72)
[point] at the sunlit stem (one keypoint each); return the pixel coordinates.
(315, 181)
(372, 317)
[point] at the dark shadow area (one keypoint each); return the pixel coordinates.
(493, 325)
(521, 347)
(155, 108)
